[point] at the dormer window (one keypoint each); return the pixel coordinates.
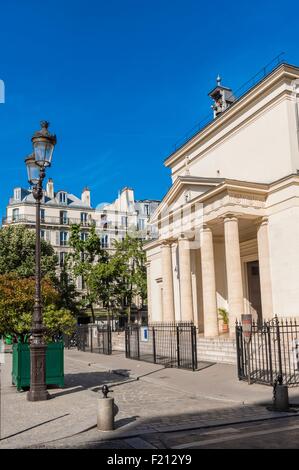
(62, 198)
(17, 194)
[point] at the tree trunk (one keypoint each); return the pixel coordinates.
(92, 313)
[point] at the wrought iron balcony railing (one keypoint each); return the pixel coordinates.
(30, 219)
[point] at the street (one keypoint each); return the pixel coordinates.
(158, 408)
(279, 434)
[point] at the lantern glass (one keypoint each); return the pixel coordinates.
(43, 151)
(33, 170)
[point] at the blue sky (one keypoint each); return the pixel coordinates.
(122, 80)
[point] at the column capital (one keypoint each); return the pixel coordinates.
(229, 216)
(262, 221)
(166, 242)
(185, 237)
(205, 228)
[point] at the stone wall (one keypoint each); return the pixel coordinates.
(221, 350)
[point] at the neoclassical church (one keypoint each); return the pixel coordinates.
(229, 225)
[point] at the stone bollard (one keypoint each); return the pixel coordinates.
(106, 411)
(281, 401)
(280, 395)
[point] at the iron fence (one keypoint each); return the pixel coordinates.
(170, 344)
(91, 338)
(271, 355)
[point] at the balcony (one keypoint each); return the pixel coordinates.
(30, 220)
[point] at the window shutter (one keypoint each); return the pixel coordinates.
(58, 238)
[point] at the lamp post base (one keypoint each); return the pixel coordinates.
(38, 387)
(40, 395)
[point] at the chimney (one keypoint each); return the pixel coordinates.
(85, 197)
(50, 189)
(222, 96)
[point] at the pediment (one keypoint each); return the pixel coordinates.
(184, 190)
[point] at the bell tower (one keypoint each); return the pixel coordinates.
(222, 96)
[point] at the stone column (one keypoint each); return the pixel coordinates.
(233, 271)
(168, 293)
(208, 283)
(149, 291)
(264, 267)
(185, 280)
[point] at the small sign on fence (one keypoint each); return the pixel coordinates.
(144, 333)
(247, 327)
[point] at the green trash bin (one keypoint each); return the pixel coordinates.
(21, 364)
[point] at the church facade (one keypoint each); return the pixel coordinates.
(229, 225)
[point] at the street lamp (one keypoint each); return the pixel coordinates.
(43, 146)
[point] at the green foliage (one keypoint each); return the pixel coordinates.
(17, 253)
(113, 280)
(84, 255)
(17, 302)
(224, 315)
(68, 295)
(58, 321)
(131, 261)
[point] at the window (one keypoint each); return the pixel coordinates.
(146, 209)
(63, 238)
(104, 241)
(124, 220)
(62, 255)
(42, 215)
(62, 198)
(141, 224)
(17, 194)
(83, 218)
(83, 236)
(43, 234)
(15, 215)
(63, 217)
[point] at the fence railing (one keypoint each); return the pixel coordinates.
(272, 353)
(239, 93)
(173, 345)
(91, 338)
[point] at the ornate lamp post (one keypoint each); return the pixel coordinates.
(43, 146)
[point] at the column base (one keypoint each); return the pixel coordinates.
(40, 395)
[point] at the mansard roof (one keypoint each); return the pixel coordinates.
(72, 200)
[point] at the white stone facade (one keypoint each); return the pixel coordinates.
(236, 183)
(60, 209)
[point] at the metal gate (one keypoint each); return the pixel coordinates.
(272, 354)
(91, 338)
(170, 344)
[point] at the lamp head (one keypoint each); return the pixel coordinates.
(43, 145)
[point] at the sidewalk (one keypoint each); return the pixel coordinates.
(149, 397)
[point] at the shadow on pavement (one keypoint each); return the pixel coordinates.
(74, 383)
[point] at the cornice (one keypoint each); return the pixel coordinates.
(282, 73)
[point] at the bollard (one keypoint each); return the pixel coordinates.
(281, 401)
(105, 414)
(280, 395)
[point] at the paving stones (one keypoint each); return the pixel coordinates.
(146, 406)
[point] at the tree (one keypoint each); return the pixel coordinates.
(85, 253)
(58, 321)
(17, 302)
(68, 295)
(105, 282)
(131, 260)
(17, 253)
